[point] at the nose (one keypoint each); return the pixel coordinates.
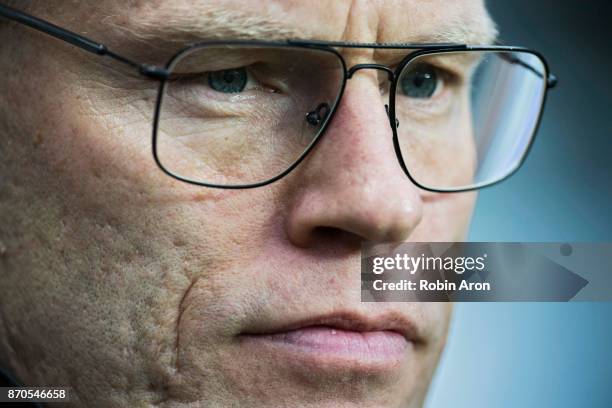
(353, 183)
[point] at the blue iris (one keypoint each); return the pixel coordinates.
(419, 82)
(228, 80)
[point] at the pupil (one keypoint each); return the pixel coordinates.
(418, 80)
(228, 76)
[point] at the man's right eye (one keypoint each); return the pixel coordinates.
(228, 80)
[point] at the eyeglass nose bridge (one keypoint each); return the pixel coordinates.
(355, 68)
(390, 74)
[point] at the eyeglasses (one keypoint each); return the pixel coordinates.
(243, 114)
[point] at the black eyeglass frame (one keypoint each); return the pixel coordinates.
(162, 74)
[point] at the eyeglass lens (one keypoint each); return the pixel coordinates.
(243, 115)
(467, 118)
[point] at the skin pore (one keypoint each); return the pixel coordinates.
(133, 288)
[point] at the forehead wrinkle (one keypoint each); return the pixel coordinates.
(180, 23)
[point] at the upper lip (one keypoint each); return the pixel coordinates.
(350, 321)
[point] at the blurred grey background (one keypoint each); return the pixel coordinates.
(535, 354)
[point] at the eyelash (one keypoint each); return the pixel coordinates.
(448, 75)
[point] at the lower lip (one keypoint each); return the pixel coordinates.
(330, 345)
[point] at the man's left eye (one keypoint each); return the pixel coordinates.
(420, 82)
(228, 80)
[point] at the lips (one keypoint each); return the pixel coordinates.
(325, 340)
(341, 339)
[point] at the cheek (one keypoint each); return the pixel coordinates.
(122, 240)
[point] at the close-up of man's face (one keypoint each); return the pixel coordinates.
(134, 288)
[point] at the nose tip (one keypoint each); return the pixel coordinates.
(367, 216)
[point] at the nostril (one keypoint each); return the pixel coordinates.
(323, 234)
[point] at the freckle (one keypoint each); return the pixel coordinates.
(38, 139)
(200, 197)
(179, 242)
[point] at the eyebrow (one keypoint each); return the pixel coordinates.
(217, 21)
(475, 31)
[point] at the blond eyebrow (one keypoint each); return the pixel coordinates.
(482, 31)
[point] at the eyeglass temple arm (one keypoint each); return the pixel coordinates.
(551, 80)
(77, 40)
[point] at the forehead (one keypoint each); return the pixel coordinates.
(463, 21)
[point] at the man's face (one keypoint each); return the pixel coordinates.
(134, 288)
